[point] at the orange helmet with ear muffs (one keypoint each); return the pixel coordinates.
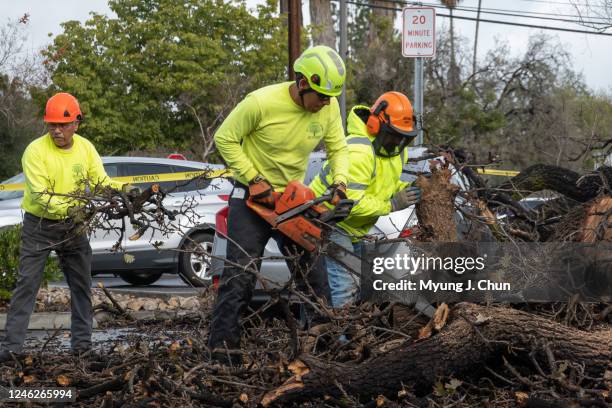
(393, 110)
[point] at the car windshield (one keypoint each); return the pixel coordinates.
(9, 195)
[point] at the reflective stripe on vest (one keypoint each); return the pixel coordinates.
(354, 141)
(364, 141)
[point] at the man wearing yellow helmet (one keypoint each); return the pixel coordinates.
(266, 141)
(377, 142)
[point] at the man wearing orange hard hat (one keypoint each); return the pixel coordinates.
(377, 139)
(58, 162)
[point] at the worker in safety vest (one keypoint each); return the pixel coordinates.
(59, 162)
(266, 141)
(377, 140)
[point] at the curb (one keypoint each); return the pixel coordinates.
(54, 320)
(164, 293)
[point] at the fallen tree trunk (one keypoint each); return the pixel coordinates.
(564, 181)
(597, 225)
(437, 206)
(475, 336)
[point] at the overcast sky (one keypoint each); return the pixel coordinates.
(591, 54)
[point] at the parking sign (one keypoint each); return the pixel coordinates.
(419, 32)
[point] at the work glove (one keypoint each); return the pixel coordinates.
(77, 214)
(260, 191)
(131, 190)
(337, 191)
(405, 198)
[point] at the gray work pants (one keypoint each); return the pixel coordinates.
(38, 237)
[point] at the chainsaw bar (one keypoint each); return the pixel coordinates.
(353, 263)
(350, 260)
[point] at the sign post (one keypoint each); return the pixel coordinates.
(419, 41)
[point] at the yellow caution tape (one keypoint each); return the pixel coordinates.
(493, 172)
(223, 173)
(187, 175)
(11, 187)
(147, 178)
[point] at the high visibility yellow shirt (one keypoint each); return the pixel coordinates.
(48, 168)
(372, 179)
(267, 133)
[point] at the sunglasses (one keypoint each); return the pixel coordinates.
(322, 97)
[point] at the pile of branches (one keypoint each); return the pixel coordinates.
(102, 209)
(552, 355)
(467, 355)
(578, 208)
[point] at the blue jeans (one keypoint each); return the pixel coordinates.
(343, 284)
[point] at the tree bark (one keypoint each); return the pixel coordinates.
(382, 10)
(567, 182)
(321, 19)
(436, 210)
(284, 6)
(476, 335)
(597, 224)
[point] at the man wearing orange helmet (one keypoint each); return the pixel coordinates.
(59, 162)
(377, 141)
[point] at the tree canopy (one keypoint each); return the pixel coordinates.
(160, 72)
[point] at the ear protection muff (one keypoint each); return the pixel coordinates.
(374, 121)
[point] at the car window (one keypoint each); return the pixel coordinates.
(9, 195)
(143, 169)
(190, 185)
(314, 167)
(112, 170)
(212, 186)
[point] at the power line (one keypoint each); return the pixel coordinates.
(568, 30)
(491, 21)
(536, 17)
(492, 10)
(564, 4)
(529, 14)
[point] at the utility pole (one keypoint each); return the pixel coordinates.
(476, 38)
(295, 8)
(343, 55)
(418, 98)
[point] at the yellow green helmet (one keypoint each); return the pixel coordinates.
(323, 69)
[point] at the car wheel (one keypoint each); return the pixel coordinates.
(140, 278)
(194, 263)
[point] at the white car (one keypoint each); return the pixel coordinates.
(179, 253)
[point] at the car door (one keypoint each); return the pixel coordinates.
(101, 240)
(143, 169)
(202, 195)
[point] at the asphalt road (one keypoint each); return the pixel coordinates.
(168, 284)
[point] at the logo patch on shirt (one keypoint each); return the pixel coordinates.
(77, 171)
(315, 130)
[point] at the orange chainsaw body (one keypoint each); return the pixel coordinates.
(299, 227)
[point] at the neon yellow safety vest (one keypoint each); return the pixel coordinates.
(48, 168)
(372, 179)
(269, 134)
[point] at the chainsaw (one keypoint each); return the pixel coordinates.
(300, 215)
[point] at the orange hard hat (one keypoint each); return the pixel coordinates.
(392, 110)
(62, 108)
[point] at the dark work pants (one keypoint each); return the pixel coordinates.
(251, 233)
(38, 238)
